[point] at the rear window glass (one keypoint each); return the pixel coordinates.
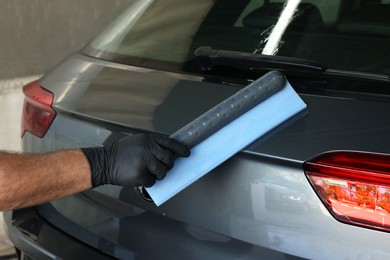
(348, 35)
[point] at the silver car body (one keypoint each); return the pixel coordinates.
(258, 204)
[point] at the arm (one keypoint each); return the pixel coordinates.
(27, 180)
(138, 160)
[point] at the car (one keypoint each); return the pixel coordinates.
(316, 186)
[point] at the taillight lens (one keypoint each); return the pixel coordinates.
(37, 111)
(354, 186)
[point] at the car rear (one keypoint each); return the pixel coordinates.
(275, 199)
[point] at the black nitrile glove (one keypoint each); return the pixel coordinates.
(137, 160)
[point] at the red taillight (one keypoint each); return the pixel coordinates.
(37, 111)
(354, 186)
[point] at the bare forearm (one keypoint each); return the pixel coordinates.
(137, 160)
(27, 180)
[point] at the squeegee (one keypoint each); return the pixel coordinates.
(227, 128)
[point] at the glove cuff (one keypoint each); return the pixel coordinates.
(95, 157)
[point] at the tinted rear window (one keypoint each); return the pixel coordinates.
(348, 35)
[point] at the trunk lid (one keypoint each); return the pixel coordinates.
(154, 100)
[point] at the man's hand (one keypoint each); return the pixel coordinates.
(137, 160)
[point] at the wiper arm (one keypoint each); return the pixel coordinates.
(209, 58)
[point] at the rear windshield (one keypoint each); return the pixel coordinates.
(348, 35)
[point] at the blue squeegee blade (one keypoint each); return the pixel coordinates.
(227, 141)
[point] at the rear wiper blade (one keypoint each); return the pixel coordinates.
(209, 58)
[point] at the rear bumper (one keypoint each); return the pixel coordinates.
(37, 239)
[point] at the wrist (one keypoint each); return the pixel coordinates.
(95, 158)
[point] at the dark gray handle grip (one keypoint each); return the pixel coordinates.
(225, 112)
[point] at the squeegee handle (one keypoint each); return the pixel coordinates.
(233, 107)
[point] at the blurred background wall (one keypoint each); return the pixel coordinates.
(35, 35)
